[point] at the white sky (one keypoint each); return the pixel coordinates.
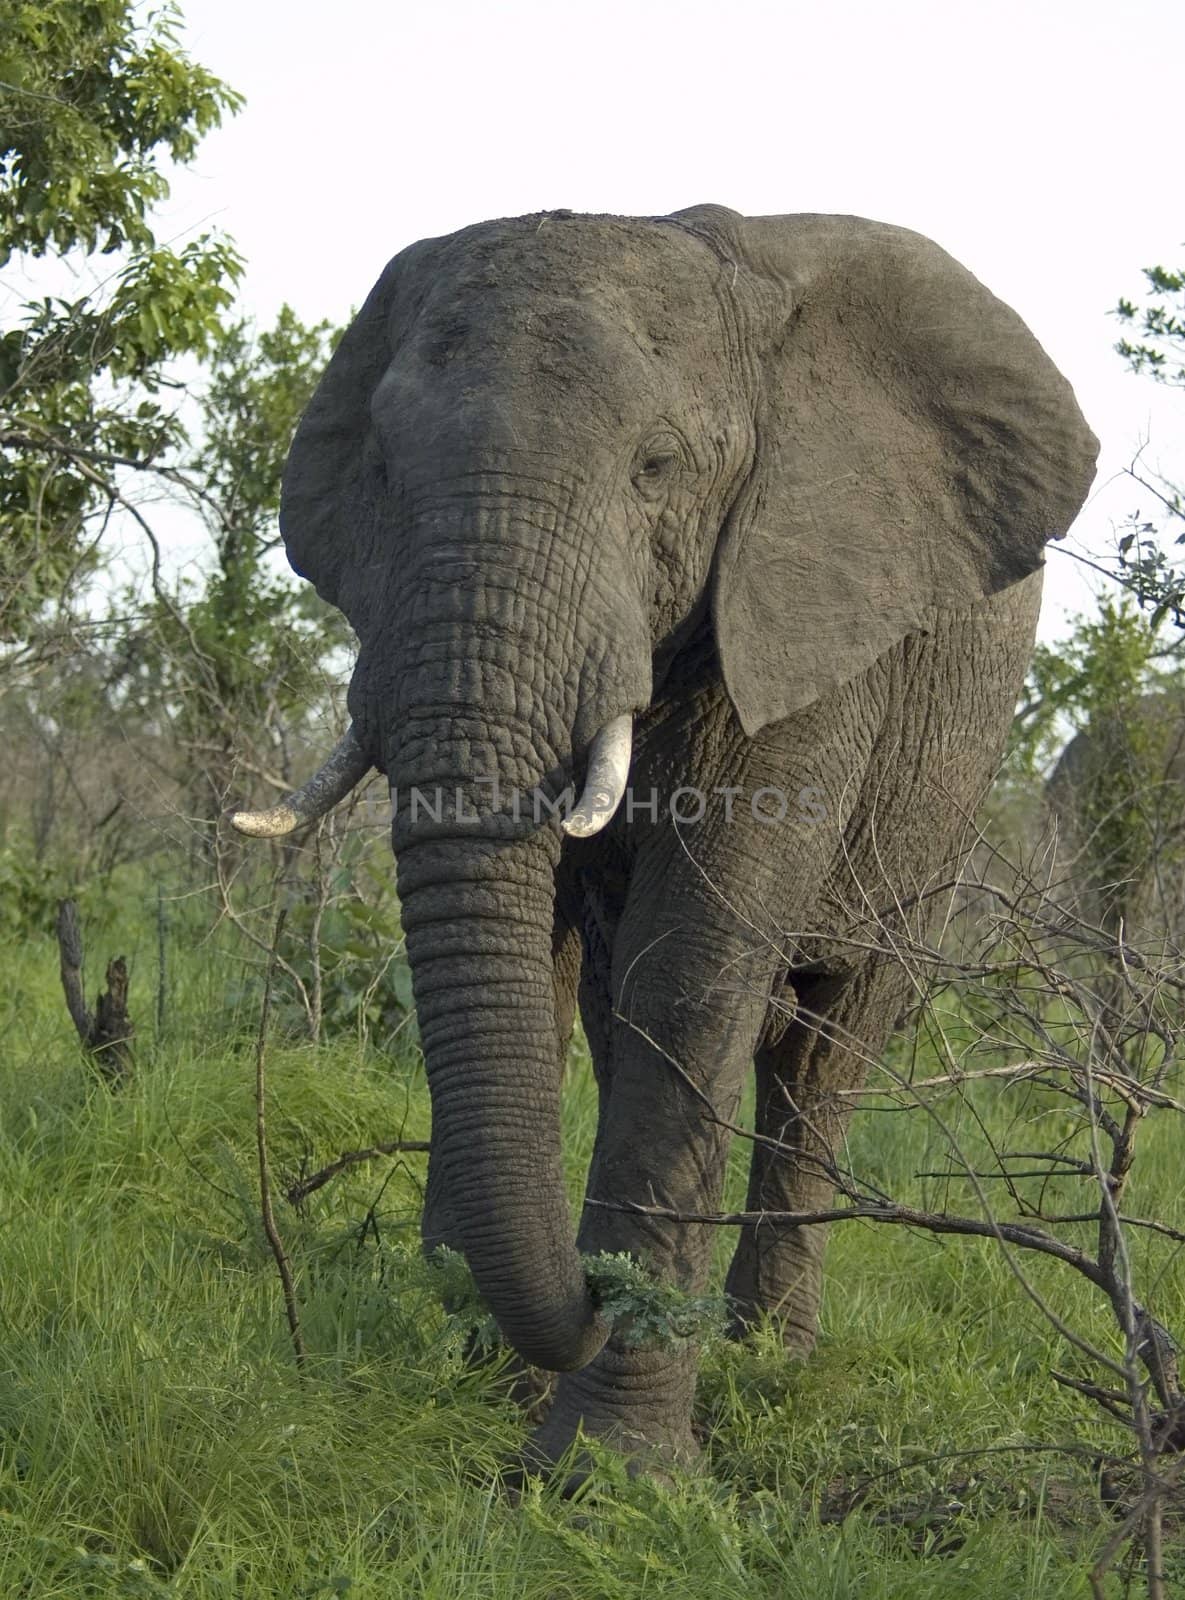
(1038, 142)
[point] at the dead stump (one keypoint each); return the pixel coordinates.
(106, 1033)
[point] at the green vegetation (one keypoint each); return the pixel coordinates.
(1114, 679)
(1098, 671)
(1154, 345)
(644, 1312)
(142, 377)
(97, 99)
(156, 1439)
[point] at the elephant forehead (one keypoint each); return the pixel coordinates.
(536, 359)
(593, 325)
(634, 274)
(570, 250)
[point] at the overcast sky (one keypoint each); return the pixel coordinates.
(1039, 142)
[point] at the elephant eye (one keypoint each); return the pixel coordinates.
(657, 460)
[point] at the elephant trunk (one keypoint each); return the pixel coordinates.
(478, 919)
(497, 680)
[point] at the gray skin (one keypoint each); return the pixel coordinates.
(1117, 798)
(779, 487)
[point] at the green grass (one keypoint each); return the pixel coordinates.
(155, 1438)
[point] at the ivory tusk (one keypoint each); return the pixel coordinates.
(605, 783)
(342, 771)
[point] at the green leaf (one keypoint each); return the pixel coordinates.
(101, 97)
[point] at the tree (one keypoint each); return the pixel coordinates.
(213, 684)
(1112, 659)
(1100, 670)
(1116, 682)
(234, 660)
(1159, 328)
(1156, 349)
(96, 99)
(139, 715)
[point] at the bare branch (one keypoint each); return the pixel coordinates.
(283, 1264)
(299, 1191)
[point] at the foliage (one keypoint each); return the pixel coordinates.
(262, 639)
(1118, 797)
(1147, 572)
(1159, 328)
(28, 896)
(258, 383)
(365, 979)
(1101, 677)
(224, 668)
(238, 654)
(219, 681)
(646, 1312)
(1102, 668)
(1156, 349)
(643, 1311)
(98, 98)
(463, 1301)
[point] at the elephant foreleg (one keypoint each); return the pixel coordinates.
(565, 947)
(679, 1051)
(840, 1026)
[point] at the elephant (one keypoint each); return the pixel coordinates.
(1117, 800)
(735, 527)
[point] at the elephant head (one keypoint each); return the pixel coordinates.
(546, 455)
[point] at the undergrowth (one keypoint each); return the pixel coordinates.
(156, 1439)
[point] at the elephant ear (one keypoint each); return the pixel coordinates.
(334, 506)
(915, 450)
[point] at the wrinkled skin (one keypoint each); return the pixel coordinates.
(780, 488)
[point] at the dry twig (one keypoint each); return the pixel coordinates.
(299, 1191)
(283, 1265)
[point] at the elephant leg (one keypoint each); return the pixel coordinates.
(841, 1024)
(679, 1054)
(565, 982)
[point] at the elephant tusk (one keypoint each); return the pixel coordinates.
(342, 771)
(605, 783)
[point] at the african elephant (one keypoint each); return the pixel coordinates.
(738, 523)
(1117, 797)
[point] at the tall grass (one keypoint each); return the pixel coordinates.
(155, 1438)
